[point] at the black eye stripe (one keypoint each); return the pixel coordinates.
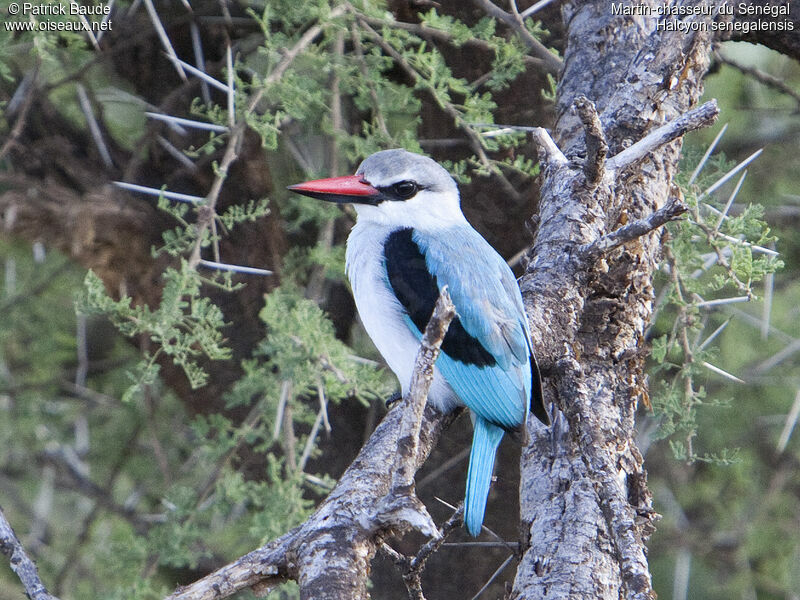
(402, 190)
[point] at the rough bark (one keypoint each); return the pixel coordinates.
(584, 500)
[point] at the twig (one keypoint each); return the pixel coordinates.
(323, 405)
(443, 468)
(106, 18)
(441, 35)
(75, 7)
(373, 94)
(312, 436)
(721, 301)
(702, 116)
(494, 576)
(535, 8)
(202, 75)
(503, 544)
(175, 153)
(733, 240)
(719, 182)
(729, 203)
(400, 506)
(21, 563)
(286, 389)
(231, 94)
(769, 289)
(719, 371)
(414, 402)
(713, 336)
(761, 77)
(515, 21)
(792, 347)
(475, 140)
(669, 212)
(65, 459)
(303, 43)
(415, 566)
(549, 153)
(596, 145)
(207, 215)
(27, 92)
(680, 583)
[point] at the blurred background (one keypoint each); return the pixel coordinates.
(161, 416)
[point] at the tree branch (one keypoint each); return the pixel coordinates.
(21, 563)
(669, 212)
(697, 118)
(401, 506)
(551, 62)
(367, 504)
(549, 153)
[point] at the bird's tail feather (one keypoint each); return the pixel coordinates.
(479, 476)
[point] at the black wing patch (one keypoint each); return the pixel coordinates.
(417, 290)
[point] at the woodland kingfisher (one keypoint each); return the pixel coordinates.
(411, 239)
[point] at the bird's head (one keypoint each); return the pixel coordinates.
(395, 188)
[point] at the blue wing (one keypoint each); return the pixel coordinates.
(489, 307)
(486, 355)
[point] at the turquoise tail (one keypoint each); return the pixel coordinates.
(479, 476)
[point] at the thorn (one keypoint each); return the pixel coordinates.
(703, 160)
(162, 34)
(716, 185)
(235, 268)
(157, 192)
(717, 331)
(719, 371)
(721, 301)
(201, 74)
(187, 122)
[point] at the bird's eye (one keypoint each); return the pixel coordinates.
(405, 189)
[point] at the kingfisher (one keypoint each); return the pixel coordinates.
(409, 241)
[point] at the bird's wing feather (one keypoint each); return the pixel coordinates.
(485, 354)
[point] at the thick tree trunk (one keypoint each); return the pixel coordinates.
(584, 500)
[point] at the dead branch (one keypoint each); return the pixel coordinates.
(368, 503)
(21, 563)
(596, 145)
(697, 118)
(401, 506)
(671, 211)
(549, 153)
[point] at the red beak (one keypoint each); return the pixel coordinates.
(347, 189)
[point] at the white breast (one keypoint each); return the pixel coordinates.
(382, 314)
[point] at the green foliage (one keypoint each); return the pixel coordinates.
(185, 326)
(709, 256)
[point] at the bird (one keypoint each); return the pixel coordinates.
(410, 240)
